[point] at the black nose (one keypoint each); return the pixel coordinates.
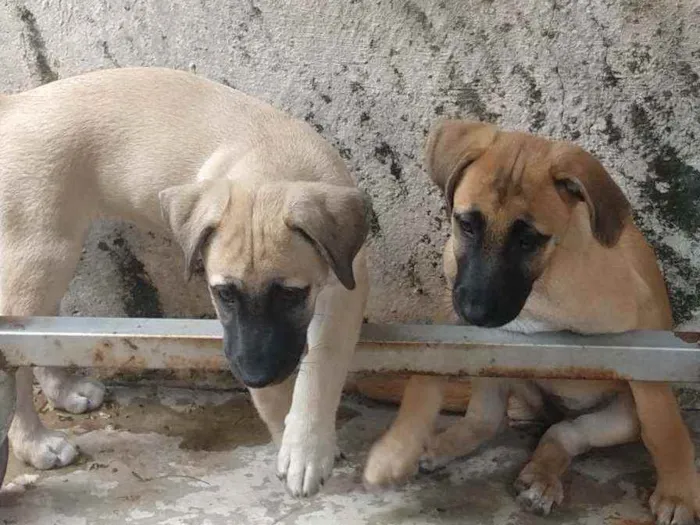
(259, 381)
(475, 313)
(261, 378)
(257, 373)
(474, 310)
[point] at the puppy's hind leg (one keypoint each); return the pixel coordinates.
(37, 267)
(31, 441)
(72, 393)
(539, 485)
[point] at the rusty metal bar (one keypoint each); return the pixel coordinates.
(135, 344)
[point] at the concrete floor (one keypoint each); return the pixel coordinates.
(181, 457)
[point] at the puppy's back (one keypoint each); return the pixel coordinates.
(122, 135)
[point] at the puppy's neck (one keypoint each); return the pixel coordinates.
(234, 163)
(255, 164)
(591, 288)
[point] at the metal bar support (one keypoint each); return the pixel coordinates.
(134, 344)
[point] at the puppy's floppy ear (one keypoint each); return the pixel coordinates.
(579, 176)
(335, 219)
(451, 146)
(193, 211)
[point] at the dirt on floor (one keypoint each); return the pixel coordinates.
(170, 456)
(210, 427)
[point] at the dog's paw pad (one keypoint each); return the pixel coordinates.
(47, 450)
(82, 395)
(537, 492)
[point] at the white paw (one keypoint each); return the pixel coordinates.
(79, 395)
(45, 449)
(306, 458)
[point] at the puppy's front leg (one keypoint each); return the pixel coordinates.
(308, 448)
(676, 499)
(394, 458)
(272, 403)
(485, 416)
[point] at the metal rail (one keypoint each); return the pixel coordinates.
(134, 344)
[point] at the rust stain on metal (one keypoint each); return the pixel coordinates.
(403, 372)
(103, 356)
(568, 372)
(133, 363)
(205, 342)
(13, 322)
(688, 337)
(208, 363)
(128, 342)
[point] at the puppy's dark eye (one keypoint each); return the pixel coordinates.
(467, 227)
(228, 293)
(469, 223)
(290, 294)
(527, 242)
(530, 239)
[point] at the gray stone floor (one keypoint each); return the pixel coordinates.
(182, 457)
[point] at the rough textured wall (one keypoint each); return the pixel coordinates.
(620, 77)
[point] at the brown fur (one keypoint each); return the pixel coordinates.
(597, 274)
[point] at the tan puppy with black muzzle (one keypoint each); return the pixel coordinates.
(542, 239)
(262, 197)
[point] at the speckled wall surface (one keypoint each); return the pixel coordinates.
(620, 77)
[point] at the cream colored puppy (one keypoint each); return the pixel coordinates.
(267, 203)
(543, 239)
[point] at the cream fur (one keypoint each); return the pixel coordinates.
(107, 144)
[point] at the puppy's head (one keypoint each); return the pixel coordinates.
(512, 197)
(267, 249)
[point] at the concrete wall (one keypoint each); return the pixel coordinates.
(620, 77)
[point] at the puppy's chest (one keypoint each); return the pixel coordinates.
(562, 398)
